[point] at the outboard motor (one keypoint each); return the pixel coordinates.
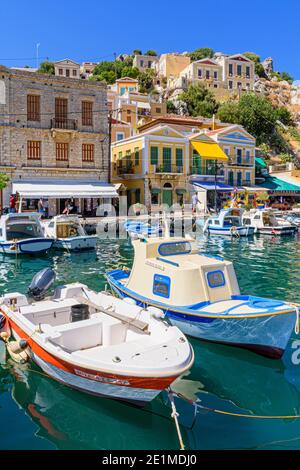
(41, 283)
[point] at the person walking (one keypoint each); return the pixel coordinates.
(12, 204)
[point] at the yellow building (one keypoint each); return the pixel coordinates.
(126, 84)
(155, 166)
(239, 146)
(170, 65)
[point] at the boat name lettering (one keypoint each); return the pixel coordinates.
(154, 265)
(98, 378)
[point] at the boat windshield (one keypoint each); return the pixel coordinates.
(229, 221)
(67, 230)
(22, 230)
(174, 248)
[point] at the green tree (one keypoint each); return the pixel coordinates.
(4, 180)
(47, 67)
(201, 53)
(137, 52)
(146, 81)
(151, 52)
(229, 112)
(109, 76)
(284, 115)
(259, 70)
(283, 76)
(171, 108)
(200, 101)
(132, 72)
(285, 157)
(252, 56)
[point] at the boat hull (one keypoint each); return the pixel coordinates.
(278, 231)
(266, 335)
(76, 243)
(26, 247)
(137, 390)
(241, 231)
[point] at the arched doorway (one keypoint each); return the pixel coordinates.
(167, 194)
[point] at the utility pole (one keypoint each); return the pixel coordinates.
(109, 144)
(37, 55)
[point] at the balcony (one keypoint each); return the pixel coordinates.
(168, 169)
(205, 175)
(246, 183)
(125, 170)
(234, 161)
(65, 124)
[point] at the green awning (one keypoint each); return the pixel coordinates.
(260, 163)
(275, 184)
(155, 190)
(180, 191)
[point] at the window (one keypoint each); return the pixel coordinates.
(248, 177)
(207, 74)
(231, 177)
(61, 109)
(239, 156)
(128, 158)
(158, 110)
(122, 90)
(87, 113)
(179, 157)
(33, 107)
(167, 158)
(88, 151)
(154, 155)
(60, 71)
(230, 84)
(128, 119)
(215, 279)
(74, 73)
(227, 151)
(215, 75)
(248, 71)
(239, 70)
(239, 85)
(199, 73)
(248, 156)
(62, 151)
(174, 248)
(120, 135)
(137, 195)
(136, 156)
(239, 178)
(33, 150)
(230, 70)
(142, 63)
(161, 285)
(67, 72)
(149, 64)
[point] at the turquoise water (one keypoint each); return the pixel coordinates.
(41, 414)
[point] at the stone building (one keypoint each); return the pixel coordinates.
(54, 131)
(67, 68)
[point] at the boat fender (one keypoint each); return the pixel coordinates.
(129, 300)
(156, 313)
(4, 336)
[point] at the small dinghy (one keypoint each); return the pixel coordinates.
(199, 293)
(22, 233)
(95, 342)
(137, 228)
(69, 234)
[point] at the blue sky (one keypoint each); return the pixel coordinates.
(95, 29)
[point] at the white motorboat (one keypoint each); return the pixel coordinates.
(22, 233)
(266, 223)
(69, 233)
(95, 342)
(228, 222)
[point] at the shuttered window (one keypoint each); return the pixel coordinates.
(62, 151)
(136, 156)
(61, 109)
(33, 150)
(87, 113)
(33, 108)
(154, 155)
(179, 157)
(88, 151)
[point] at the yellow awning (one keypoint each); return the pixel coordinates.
(209, 150)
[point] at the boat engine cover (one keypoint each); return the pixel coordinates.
(41, 283)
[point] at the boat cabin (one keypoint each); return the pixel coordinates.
(20, 227)
(162, 266)
(227, 218)
(261, 218)
(65, 226)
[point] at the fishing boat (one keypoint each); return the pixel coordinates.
(266, 223)
(228, 222)
(69, 233)
(22, 233)
(95, 342)
(199, 293)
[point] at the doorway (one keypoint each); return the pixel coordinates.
(167, 195)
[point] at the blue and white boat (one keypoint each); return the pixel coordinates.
(199, 293)
(138, 228)
(22, 233)
(228, 222)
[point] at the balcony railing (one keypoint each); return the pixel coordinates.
(125, 170)
(168, 169)
(62, 123)
(240, 162)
